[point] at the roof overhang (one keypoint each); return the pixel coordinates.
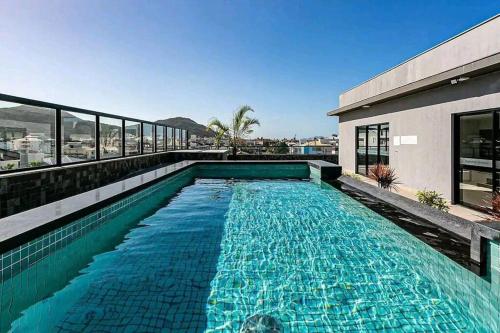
(475, 68)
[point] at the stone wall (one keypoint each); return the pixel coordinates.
(28, 189)
(329, 158)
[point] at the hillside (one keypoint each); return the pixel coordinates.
(36, 120)
(192, 126)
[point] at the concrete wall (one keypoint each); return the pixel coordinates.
(427, 115)
(475, 44)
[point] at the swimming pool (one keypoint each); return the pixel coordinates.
(204, 251)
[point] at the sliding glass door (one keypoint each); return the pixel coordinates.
(478, 146)
(361, 150)
(372, 147)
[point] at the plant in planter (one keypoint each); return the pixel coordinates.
(433, 199)
(385, 176)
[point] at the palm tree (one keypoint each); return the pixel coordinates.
(220, 129)
(241, 126)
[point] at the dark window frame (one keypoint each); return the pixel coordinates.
(455, 152)
(139, 124)
(122, 134)
(59, 145)
(365, 129)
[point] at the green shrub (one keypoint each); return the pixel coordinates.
(8, 166)
(433, 199)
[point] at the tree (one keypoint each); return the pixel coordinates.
(281, 148)
(241, 126)
(8, 166)
(220, 130)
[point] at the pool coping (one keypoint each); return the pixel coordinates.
(22, 227)
(477, 232)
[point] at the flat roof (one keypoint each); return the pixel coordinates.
(413, 86)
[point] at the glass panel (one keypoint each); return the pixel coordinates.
(361, 137)
(27, 136)
(475, 187)
(77, 137)
(160, 138)
(184, 139)
(384, 144)
(170, 138)
(476, 181)
(372, 146)
(361, 151)
(110, 132)
(177, 138)
(132, 138)
(476, 139)
(147, 138)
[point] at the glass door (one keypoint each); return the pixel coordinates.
(476, 159)
(372, 147)
(361, 150)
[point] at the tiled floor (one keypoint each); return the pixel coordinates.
(410, 193)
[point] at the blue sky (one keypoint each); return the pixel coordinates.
(289, 60)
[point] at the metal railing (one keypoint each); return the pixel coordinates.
(36, 134)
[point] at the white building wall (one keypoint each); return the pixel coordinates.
(426, 115)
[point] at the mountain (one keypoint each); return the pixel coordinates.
(41, 120)
(192, 126)
(34, 119)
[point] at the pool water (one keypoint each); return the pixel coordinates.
(222, 250)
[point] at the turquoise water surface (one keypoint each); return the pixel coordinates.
(223, 250)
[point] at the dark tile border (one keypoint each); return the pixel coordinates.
(25, 226)
(478, 233)
(451, 245)
(22, 190)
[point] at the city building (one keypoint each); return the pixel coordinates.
(433, 118)
(314, 146)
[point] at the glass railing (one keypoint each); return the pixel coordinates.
(35, 134)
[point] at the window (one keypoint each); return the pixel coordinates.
(27, 136)
(77, 137)
(160, 138)
(384, 144)
(170, 138)
(372, 147)
(373, 156)
(110, 137)
(132, 138)
(147, 138)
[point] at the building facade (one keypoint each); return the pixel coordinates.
(434, 118)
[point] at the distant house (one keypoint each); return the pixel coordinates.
(11, 133)
(314, 147)
(9, 159)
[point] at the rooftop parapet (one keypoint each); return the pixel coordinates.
(468, 52)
